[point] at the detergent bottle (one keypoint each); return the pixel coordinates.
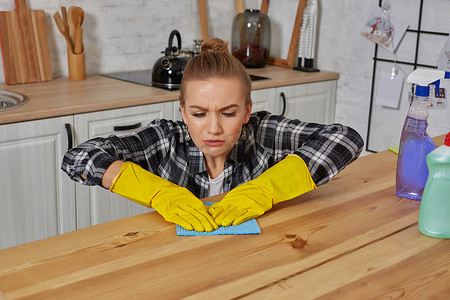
(434, 214)
(415, 143)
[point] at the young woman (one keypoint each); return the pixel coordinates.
(260, 159)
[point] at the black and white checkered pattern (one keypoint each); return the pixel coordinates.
(165, 149)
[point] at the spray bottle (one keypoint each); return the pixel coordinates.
(434, 214)
(415, 143)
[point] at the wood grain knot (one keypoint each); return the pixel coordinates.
(298, 243)
(290, 236)
(131, 233)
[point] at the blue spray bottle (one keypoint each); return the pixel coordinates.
(415, 143)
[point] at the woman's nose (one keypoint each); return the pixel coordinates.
(214, 126)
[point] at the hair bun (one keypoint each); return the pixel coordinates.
(215, 45)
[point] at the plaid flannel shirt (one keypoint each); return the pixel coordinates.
(165, 148)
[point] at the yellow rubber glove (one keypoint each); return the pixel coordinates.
(176, 204)
(285, 180)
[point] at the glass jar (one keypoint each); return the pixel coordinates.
(250, 41)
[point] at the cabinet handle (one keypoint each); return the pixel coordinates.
(69, 136)
(283, 97)
(127, 127)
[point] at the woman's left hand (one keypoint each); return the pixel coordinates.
(285, 180)
(241, 204)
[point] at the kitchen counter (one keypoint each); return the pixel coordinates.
(62, 96)
(352, 238)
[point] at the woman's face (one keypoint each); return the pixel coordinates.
(215, 111)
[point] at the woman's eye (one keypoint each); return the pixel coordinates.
(229, 114)
(198, 115)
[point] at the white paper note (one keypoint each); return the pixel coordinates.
(390, 90)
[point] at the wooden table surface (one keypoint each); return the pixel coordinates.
(352, 238)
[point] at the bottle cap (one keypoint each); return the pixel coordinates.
(422, 91)
(447, 140)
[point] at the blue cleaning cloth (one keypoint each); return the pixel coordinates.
(248, 227)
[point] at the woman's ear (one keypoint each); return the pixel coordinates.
(183, 112)
(248, 112)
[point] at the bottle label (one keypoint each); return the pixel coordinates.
(438, 97)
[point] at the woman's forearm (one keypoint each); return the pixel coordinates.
(111, 173)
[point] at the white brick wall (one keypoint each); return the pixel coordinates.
(130, 35)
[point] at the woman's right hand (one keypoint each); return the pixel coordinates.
(175, 203)
(178, 205)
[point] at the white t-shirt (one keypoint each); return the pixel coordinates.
(216, 185)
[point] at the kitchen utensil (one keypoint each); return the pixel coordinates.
(78, 44)
(307, 40)
(72, 32)
(63, 29)
(71, 23)
(64, 18)
(168, 70)
(77, 16)
(23, 37)
(78, 39)
(76, 33)
(203, 19)
(64, 15)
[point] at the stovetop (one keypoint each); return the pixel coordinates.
(144, 77)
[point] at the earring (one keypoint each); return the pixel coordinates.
(244, 133)
(187, 136)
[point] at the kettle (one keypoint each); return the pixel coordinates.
(168, 70)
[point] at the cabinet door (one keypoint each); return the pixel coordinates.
(264, 100)
(97, 205)
(310, 102)
(37, 200)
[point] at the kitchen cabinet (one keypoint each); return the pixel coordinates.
(310, 102)
(97, 205)
(36, 199)
(264, 99)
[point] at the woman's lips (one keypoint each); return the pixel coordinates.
(213, 143)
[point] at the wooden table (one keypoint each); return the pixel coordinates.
(351, 238)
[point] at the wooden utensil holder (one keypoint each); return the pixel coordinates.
(77, 65)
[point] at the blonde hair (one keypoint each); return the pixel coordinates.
(214, 61)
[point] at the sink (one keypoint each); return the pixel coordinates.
(10, 100)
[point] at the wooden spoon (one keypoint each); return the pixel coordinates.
(71, 23)
(78, 43)
(77, 16)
